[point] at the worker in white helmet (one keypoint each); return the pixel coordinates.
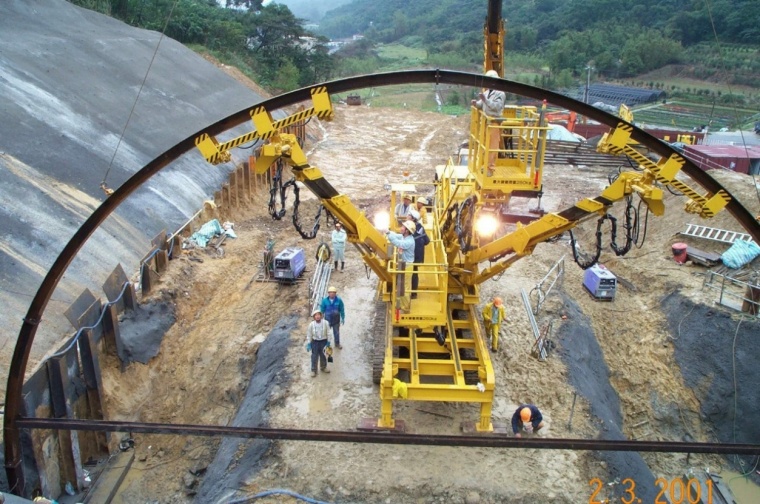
(421, 208)
(317, 339)
(404, 242)
(402, 209)
(335, 313)
(491, 102)
(338, 239)
(421, 240)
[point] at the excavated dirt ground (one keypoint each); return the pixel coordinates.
(208, 355)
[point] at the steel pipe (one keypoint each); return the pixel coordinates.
(471, 441)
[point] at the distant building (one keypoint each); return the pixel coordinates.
(736, 158)
(615, 95)
(307, 43)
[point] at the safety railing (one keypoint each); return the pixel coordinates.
(508, 152)
(735, 294)
(545, 285)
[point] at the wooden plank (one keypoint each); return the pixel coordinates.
(94, 384)
(162, 261)
(701, 257)
(148, 277)
(57, 380)
(159, 241)
(751, 302)
(110, 479)
(71, 461)
(90, 317)
(78, 307)
(110, 328)
(113, 286)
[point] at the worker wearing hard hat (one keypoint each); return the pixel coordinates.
(491, 102)
(421, 240)
(402, 209)
(493, 315)
(317, 339)
(420, 203)
(527, 417)
(404, 241)
(335, 313)
(338, 239)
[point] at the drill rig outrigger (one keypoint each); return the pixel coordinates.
(436, 346)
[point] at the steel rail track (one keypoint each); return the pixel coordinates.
(475, 441)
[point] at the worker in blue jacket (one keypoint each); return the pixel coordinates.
(527, 417)
(404, 242)
(335, 313)
(421, 240)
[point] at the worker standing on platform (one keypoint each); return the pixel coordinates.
(421, 239)
(493, 315)
(404, 241)
(527, 417)
(421, 202)
(339, 245)
(491, 102)
(317, 339)
(402, 209)
(335, 313)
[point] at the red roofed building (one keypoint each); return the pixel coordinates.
(736, 158)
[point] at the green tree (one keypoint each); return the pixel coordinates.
(286, 76)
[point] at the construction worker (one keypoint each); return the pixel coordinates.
(493, 315)
(527, 417)
(491, 102)
(339, 245)
(317, 339)
(404, 241)
(421, 239)
(402, 209)
(421, 202)
(335, 313)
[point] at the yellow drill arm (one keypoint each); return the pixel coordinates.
(216, 153)
(372, 244)
(524, 239)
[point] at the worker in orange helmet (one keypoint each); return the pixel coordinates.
(493, 315)
(527, 417)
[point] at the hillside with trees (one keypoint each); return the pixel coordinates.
(621, 39)
(549, 43)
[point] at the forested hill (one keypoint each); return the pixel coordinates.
(613, 32)
(441, 20)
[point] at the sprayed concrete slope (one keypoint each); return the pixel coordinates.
(68, 80)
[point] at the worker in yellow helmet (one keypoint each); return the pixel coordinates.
(493, 315)
(527, 417)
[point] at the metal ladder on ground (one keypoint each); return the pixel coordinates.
(715, 234)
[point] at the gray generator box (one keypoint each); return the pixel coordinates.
(289, 264)
(600, 282)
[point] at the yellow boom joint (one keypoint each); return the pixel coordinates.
(664, 171)
(216, 153)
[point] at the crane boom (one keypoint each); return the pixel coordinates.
(493, 36)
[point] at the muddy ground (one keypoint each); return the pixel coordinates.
(621, 360)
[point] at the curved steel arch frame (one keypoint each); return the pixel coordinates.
(34, 314)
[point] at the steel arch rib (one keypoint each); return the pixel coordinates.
(31, 321)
